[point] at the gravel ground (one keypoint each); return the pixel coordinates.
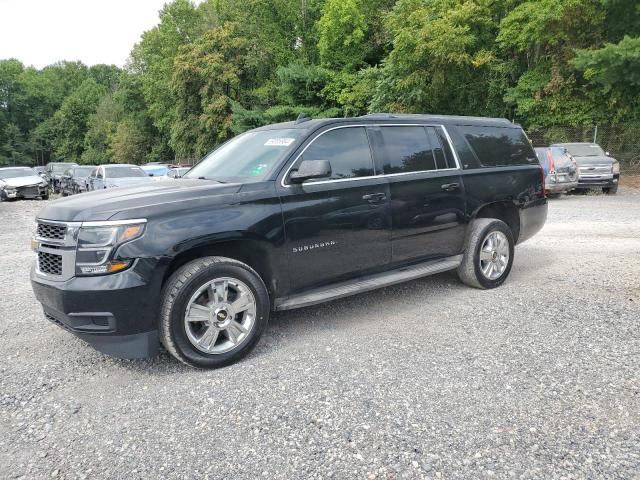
(430, 379)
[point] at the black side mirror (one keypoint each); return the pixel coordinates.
(150, 174)
(310, 169)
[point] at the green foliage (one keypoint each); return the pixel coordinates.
(214, 70)
(342, 29)
(71, 120)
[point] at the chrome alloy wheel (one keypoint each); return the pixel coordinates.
(494, 255)
(220, 315)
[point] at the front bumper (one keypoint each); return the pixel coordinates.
(31, 191)
(116, 314)
(595, 182)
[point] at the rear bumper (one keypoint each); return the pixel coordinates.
(532, 219)
(116, 314)
(560, 187)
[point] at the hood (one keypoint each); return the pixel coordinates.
(598, 160)
(23, 181)
(138, 201)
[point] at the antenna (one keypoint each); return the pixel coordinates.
(303, 117)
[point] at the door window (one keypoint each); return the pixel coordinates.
(346, 149)
(99, 175)
(408, 149)
(499, 146)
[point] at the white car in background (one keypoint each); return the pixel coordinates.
(22, 182)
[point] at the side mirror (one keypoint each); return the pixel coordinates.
(150, 174)
(310, 169)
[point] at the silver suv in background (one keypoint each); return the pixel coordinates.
(596, 168)
(560, 169)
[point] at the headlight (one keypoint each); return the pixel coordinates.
(615, 168)
(98, 241)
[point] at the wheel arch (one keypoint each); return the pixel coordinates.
(256, 253)
(502, 210)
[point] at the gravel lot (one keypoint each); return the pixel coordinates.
(431, 379)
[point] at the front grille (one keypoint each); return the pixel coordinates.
(596, 169)
(51, 231)
(29, 191)
(50, 263)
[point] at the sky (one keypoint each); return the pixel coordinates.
(41, 32)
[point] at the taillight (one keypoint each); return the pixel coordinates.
(552, 163)
(544, 190)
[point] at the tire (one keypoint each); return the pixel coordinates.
(45, 196)
(470, 270)
(186, 289)
(610, 190)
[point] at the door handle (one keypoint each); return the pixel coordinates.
(374, 197)
(450, 187)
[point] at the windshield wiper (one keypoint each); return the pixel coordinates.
(213, 179)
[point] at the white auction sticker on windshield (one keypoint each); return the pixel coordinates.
(279, 142)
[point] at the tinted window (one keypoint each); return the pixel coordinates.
(407, 150)
(499, 146)
(346, 149)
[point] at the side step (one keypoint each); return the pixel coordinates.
(370, 282)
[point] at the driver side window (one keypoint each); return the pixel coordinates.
(99, 175)
(346, 149)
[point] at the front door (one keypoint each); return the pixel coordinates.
(427, 193)
(337, 227)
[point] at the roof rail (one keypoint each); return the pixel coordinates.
(381, 114)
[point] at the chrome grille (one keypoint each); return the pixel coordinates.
(50, 263)
(595, 169)
(51, 231)
(29, 191)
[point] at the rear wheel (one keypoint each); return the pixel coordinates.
(488, 254)
(214, 311)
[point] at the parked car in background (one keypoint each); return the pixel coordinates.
(560, 169)
(157, 171)
(22, 182)
(75, 180)
(177, 172)
(40, 170)
(596, 168)
(119, 175)
(55, 170)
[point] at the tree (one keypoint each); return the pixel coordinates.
(207, 76)
(72, 117)
(342, 29)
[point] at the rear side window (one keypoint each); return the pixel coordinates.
(346, 149)
(499, 146)
(407, 149)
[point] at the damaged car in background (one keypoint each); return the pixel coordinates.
(22, 182)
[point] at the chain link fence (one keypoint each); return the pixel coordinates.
(622, 141)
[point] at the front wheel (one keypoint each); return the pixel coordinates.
(214, 311)
(488, 254)
(611, 190)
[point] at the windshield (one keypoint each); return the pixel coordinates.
(124, 172)
(249, 157)
(156, 170)
(61, 167)
(82, 171)
(17, 172)
(585, 150)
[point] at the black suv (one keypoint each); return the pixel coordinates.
(286, 216)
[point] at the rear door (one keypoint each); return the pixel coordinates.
(427, 194)
(338, 227)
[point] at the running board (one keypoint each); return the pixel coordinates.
(370, 282)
